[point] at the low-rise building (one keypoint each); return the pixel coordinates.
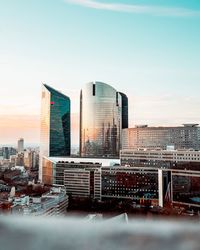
(148, 177)
(52, 203)
(174, 159)
(83, 182)
(53, 167)
(130, 183)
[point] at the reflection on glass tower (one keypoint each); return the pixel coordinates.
(55, 123)
(101, 112)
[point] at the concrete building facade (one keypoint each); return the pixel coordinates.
(182, 137)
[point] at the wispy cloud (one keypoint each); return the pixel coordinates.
(136, 8)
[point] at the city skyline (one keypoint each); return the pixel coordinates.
(149, 51)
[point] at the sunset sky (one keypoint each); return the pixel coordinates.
(149, 50)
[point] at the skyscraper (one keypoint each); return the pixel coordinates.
(20, 145)
(101, 112)
(55, 124)
(124, 110)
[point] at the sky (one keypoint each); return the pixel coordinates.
(149, 50)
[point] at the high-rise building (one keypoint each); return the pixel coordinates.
(31, 159)
(55, 124)
(182, 137)
(7, 152)
(102, 116)
(20, 145)
(124, 110)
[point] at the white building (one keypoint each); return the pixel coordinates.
(133, 156)
(20, 145)
(53, 203)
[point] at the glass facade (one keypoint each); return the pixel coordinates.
(55, 124)
(186, 187)
(134, 183)
(124, 110)
(100, 120)
(48, 171)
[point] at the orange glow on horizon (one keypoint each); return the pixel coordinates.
(28, 126)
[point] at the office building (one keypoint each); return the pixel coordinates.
(103, 113)
(101, 178)
(178, 173)
(130, 183)
(7, 152)
(143, 184)
(19, 160)
(55, 124)
(31, 159)
(20, 145)
(83, 182)
(124, 110)
(54, 167)
(169, 159)
(183, 137)
(181, 188)
(185, 188)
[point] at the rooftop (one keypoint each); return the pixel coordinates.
(103, 161)
(150, 127)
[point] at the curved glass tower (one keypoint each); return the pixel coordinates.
(100, 120)
(55, 124)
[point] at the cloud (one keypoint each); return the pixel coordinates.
(136, 8)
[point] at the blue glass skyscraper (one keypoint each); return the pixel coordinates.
(55, 124)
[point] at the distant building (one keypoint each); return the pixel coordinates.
(19, 160)
(20, 145)
(103, 113)
(10, 175)
(7, 152)
(55, 124)
(31, 160)
(183, 137)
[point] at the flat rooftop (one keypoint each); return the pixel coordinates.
(105, 162)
